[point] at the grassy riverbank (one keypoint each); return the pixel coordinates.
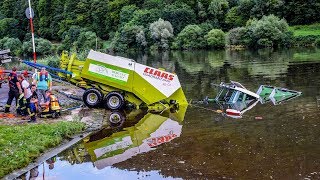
(306, 30)
(20, 145)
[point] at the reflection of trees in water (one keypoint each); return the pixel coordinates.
(75, 155)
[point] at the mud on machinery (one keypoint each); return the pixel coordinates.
(115, 83)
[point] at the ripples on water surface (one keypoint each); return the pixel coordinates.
(283, 143)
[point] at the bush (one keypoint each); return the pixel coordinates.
(268, 29)
(317, 42)
(237, 36)
(306, 40)
(43, 47)
(161, 32)
(10, 27)
(130, 36)
(14, 44)
(216, 38)
(191, 37)
(88, 40)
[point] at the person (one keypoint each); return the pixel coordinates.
(14, 89)
(1, 76)
(25, 97)
(34, 173)
(43, 81)
(34, 99)
(51, 162)
(50, 105)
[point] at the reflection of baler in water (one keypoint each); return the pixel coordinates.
(151, 131)
(116, 82)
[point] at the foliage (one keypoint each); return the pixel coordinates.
(308, 40)
(161, 32)
(130, 36)
(10, 27)
(43, 47)
(306, 30)
(88, 40)
(179, 15)
(14, 44)
(216, 38)
(317, 42)
(233, 19)
(237, 36)
(19, 145)
(191, 37)
(217, 10)
(126, 14)
(268, 31)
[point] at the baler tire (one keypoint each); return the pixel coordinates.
(114, 101)
(92, 92)
(116, 118)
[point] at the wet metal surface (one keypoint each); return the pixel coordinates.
(283, 143)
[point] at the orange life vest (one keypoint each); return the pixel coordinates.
(54, 103)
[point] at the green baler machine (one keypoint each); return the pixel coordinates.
(116, 82)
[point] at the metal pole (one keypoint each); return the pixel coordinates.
(32, 34)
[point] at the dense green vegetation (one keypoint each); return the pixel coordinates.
(19, 145)
(121, 25)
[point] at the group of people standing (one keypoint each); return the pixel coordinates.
(25, 92)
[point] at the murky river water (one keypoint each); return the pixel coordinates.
(268, 142)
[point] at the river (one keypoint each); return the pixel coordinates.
(268, 142)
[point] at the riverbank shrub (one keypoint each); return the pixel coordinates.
(237, 37)
(130, 37)
(43, 47)
(216, 39)
(14, 44)
(191, 37)
(20, 145)
(309, 40)
(161, 32)
(269, 31)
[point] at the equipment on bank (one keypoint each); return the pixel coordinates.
(115, 83)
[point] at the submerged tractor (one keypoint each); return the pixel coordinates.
(115, 83)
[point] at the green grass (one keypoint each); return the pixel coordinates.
(305, 30)
(20, 145)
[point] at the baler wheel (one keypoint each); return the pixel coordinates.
(114, 101)
(92, 98)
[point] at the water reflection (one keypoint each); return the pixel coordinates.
(130, 133)
(151, 131)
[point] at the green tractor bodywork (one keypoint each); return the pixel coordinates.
(116, 81)
(151, 131)
(276, 94)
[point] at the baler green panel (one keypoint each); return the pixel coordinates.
(145, 91)
(107, 74)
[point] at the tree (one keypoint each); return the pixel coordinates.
(14, 44)
(161, 32)
(44, 47)
(127, 13)
(129, 37)
(216, 38)
(88, 40)
(217, 10)
(268, 31)
(191, 37)
(10, 27)
(237, 36)
(179, 15)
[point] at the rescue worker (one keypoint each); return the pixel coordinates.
(43, 81)
(51, 105)
(24, 99)
(34, 99)
(14, 89)
(1, 76)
